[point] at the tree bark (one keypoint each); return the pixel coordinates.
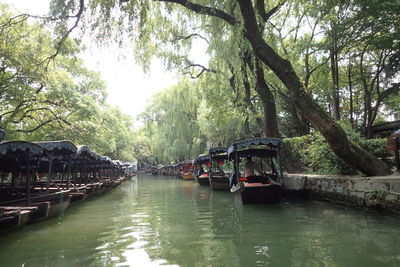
(247, 97)
(332, 132)
(268, 101)
(351, 108)
(333, 53)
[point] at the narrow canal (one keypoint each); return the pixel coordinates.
(161, 221)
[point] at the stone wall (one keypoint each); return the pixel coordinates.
(381, 193)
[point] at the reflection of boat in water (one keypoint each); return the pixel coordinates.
(265, 186)
(219, 180)
(201, 175)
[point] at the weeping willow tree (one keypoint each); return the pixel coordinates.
(46, 92)
(171, 124)
(247, 20)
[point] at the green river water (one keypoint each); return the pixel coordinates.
(162, 221)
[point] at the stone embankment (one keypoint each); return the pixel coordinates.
(380, 193)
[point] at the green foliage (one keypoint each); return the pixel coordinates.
(375, 195)
(51, 99)
(316, 155)
(171, 125)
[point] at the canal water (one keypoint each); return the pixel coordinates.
(162, 221)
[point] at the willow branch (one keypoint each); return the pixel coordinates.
(60, 43)
(180, 37)
(260, 5)
(205, 10)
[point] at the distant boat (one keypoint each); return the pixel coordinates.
(201, 165)
(185, 169)
(219, 180)
(264, 185)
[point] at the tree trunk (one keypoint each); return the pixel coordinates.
(333, 53)
(335, 87)
(300, 125)
(268, 101)
(247, 98)
(332, 132)
(351, 108)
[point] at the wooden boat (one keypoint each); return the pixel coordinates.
(262, 187)
(187, 176)
(11, 217)
(185, 170)
(42, 206)
(40, 180)
(219, 180)
(201, 165)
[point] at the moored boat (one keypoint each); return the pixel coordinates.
(261, 180)
(185, 170)
(201, 173)
(39, 180)
(219, 180)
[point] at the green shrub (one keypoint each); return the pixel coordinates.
(316, 155)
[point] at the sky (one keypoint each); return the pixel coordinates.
(127, 86)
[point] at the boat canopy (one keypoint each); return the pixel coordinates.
(185, 162)
(17, 147)
(273, 143)
(217, 150)
(202, 159)
(63, 147)
(255, 152)
(84, 152)
(14, 155)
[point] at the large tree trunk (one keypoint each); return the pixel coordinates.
(268, 101)
(333, 133)
(247, 98)
(300, 125)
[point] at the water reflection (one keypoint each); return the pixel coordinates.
(161, 221)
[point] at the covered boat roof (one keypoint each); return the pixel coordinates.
(218, 150)
(258, 141)
(105, 159)
(185, 162)
(85, 152)
(62, 147)
(255, 152)
(14, 147)
(202, 159)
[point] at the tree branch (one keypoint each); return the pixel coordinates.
(205, 10)
(194, 65)
(260, 5)
(60, 43)
(180, 37)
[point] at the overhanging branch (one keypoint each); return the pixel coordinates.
(205, 10)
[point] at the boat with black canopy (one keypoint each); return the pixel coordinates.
(54, 165)
(17, 166)
(262, 172)
(201, 165)
(219, 180)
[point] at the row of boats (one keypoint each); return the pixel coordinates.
(40, 180)
(255, 173)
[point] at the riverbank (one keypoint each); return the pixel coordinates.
(378, 193)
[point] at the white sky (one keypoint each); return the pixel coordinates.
(127, 86)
